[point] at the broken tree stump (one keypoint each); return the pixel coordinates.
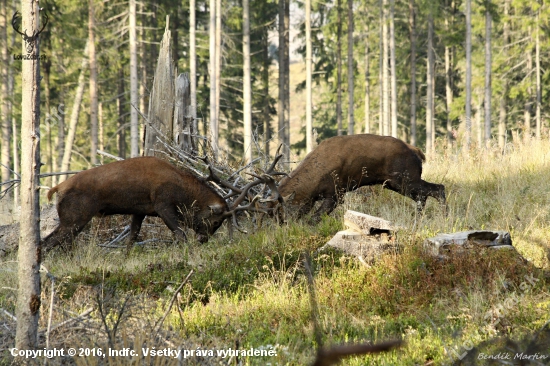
(443, 243)
(367, 237)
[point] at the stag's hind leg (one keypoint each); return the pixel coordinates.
(135, 227)
(74, 213)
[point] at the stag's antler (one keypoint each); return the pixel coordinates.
(244, 192)
(15, 19)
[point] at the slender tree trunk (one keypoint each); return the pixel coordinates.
(504, 96)
(212, 71)
(339, 67)
(143, 71)
(284, 77)
(309, 109)
(448, 80)
(4, 117)
(100, 141)
(281, 113)
(412, 32)
(16, 165)
(430, 86)
(385, 70)
(468, 116)
(381, 112)
(287, 81)
(15, 145)
(93, 84)
(121, 136)
(538, 76)
(60, 137)
(134, 127)
(218, 73)
(71, 133)
(528, 101)
(193, 61)
(29, 257)
(488, 74)
(266, 111)
(247, 87)
(48, 120)
(393, 71)
(367, 83)
(478, 129)
(351, 89)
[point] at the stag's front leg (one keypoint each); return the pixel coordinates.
(327, 206)
(170, 217)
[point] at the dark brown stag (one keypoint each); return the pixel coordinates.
(144, 186)
(345, 163)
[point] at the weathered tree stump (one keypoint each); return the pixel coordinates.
(367, 237)
(464, 240)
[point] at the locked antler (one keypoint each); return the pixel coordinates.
(243, 193)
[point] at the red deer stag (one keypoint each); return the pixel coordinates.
(143, 186)
(344, 163)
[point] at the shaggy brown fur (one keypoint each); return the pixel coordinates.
(144, 186)
(345, 163)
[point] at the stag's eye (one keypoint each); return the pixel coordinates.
(216, 223)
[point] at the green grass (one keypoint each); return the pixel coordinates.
(253, 290)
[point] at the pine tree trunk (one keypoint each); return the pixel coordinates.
(134, 128)
(367, 83)
(93, 85)
(351, 89)
(381, 72)
(504, 96)
(488, 74)
(143, 70)
(71, 133)
(430, 86)
(528, 96)
(247, 92)
(468, 115)
(29, 258)
(309, 107)
(284, 78)
(193, 61)
(280, 106)
(393, 71)
(218, 53)
(339, 67)
(538, 116)
(212, 72)
(266, 113)
(120, 101)
(412, 32)
(286, 130)
(448, 80)
(4, 117)
(385, 71)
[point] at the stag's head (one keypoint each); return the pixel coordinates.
(29, 40)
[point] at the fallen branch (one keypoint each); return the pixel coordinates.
(68, 321)
(159, 323)
(9, 315)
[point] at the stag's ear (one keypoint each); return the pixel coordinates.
(216, 209)
(289, 198)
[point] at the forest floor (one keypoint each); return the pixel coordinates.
(252, 293)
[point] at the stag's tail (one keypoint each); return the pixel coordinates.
(51, 192)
